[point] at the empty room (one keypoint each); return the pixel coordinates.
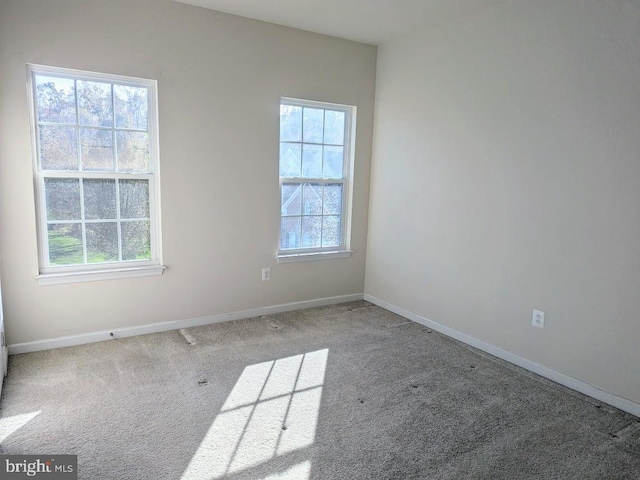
(320, 239)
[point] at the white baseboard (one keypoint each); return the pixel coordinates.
(101, 336)
(558, 377)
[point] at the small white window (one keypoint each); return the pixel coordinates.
(316, 158)
(96, 175)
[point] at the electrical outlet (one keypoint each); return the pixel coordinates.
(538, 319)
(266, 274)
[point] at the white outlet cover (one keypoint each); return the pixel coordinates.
(266, 274)
(537, 320)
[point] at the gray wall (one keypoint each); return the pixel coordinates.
(220, 81)
(506, 177)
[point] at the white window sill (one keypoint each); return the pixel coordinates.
(97, 275)
(309, 257)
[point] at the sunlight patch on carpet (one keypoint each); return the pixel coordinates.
(9, 425)
(272, 410)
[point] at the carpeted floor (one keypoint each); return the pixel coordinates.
(349, 391)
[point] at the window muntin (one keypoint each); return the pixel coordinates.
(96, 165)
(315, 159)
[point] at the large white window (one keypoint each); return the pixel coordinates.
(96, 175)
(316, 156)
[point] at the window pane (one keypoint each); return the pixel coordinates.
(311, 231)
(291, 199)
(334, 127)
(290, 123)
(56, 99)
(332, 164)
(102, 242)
(65, 244)
(136, 241)
(312, 199)
(290, 159)
(63, 198)
(131, 107)
(95, 105)
(95, 156)
(290, 233)
(58, 147)
(332, 204)
(99, 199)
(330, 231)
(97, 149)
(312, 161)
(133, 151)
(312, 147)
(313, 121)
(134, 199)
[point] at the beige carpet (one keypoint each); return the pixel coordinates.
(348, 391)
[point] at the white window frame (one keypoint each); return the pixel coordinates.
(343, 250)
(49, 274)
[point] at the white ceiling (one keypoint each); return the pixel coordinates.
(367, 21)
